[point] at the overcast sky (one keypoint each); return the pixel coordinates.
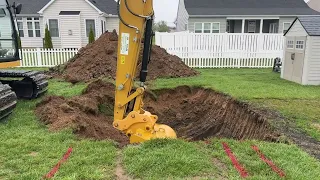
(165, 10)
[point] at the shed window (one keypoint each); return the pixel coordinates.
(90, 23)
(54, 27)
(290, 44)
(300, 45)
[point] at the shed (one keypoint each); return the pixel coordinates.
(302, 51)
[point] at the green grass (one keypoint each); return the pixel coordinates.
(301, 104)
(28, 150)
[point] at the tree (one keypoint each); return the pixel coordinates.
(161, 26)
(47, 39)
(91, 36)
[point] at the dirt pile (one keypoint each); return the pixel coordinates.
(194, 113)
(88, 115)
(99, 59)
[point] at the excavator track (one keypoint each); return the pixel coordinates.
(33, 84)
(8, 100)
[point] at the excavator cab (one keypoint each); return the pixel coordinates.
(9, 49)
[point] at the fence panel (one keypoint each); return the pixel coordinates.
(223, 50)
(45, 57)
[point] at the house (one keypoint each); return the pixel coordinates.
(314, 4)
(240, 16)
(302, 58)
(69, 21)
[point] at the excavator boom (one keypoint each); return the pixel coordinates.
(136, 17)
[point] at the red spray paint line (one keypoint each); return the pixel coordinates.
(55, 169)
(269, 162)
(234, 160)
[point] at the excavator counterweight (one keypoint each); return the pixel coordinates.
(136, 17)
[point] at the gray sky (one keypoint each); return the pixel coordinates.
(165, 10)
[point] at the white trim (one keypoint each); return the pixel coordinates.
(100, 12)
(46, 6)
(253, 17)
(261, 25)
(58, 26)
(249, 15)
(51, 1)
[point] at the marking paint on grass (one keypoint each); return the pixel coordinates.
(55, 169)
(268, 161)
(234, 160)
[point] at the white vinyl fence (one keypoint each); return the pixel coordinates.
(45, 57)
(223, 50)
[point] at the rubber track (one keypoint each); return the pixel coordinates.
(39, 81)
(8, 100)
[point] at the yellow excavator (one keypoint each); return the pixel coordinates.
(33, 83)
(136, 19)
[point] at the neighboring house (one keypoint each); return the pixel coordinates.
(69, 21)
(314, 4)
(240, 16)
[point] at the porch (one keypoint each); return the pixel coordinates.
(254, 25)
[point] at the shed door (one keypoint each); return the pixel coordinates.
(289, 58)
(298, 62)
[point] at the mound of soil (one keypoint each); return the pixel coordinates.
(99, 59)
(194, 113)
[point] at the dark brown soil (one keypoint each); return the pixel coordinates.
(99, 59)
(194, 113)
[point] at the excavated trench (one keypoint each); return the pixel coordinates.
(194, 113)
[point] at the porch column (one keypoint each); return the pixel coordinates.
(261, 25)
(243, 24)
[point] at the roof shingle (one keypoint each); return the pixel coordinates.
(248, 7)
(311, 25)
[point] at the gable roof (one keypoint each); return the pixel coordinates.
(310, 23)
(34, 6)
(248, 7)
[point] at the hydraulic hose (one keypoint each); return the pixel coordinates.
(146, 50)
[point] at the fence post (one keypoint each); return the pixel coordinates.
(39, 59)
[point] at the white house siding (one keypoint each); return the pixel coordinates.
(297, 30)
(112, 23)
(86, 12)
(222, 21)
(284, 20)
(314, 61)
(70, 23)
(182, 17)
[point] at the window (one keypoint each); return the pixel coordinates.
(33, 25)
(90, 23)
(104, 25)
(251, 26)
(300, 45)
(207, 28)
(286, 26)
(215, 27)
(290, 44)
(54, 27)
(198, 28)
(20, 27)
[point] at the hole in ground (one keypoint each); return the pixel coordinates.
(194, 113)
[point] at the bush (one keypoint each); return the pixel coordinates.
(47, 39)
(91, 36)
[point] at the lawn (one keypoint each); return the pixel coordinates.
(29, 151)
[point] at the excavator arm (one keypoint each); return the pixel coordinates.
(136, 19)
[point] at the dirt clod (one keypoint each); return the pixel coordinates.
(194, 113)
(99, 59)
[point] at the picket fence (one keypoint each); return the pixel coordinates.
(223, 50)
(45, 57)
